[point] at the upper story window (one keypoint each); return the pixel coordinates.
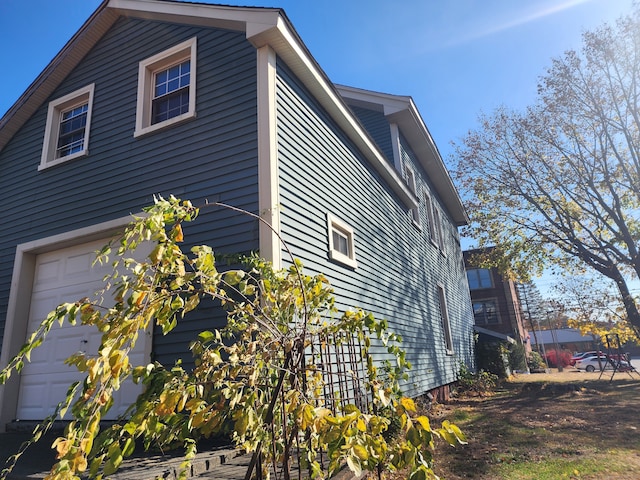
(479, 278)
(485, 312)
(437, 220)
(444, 317)
(410, 178)
(341, 241)
(166, 88)
(67, 130)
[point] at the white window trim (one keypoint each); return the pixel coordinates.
(52, 128)
(444, 317)
(437, 217)
(146, 70)
(334, 223)
(428, 203)
(410, 178)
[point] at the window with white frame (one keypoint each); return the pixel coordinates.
(433, 233)
(437, 220)
(410, 178)
(166, 88)
(341, 241)
(444, 317)
(67, 129)
(485, 312)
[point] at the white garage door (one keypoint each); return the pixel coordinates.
(65, 276)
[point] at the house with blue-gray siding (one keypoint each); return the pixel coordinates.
(220, 103)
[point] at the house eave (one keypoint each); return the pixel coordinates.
(491, 333)
(402, 111)
(55, 72)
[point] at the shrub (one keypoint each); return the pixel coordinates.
(480, 383)
(535, 361)
(517, 357)
(558, 358)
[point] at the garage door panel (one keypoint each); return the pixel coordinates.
(61, 276)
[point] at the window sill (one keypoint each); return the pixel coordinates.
(141, 132)
(343, 259)
(59, 161)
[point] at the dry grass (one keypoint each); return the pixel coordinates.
(547, 426)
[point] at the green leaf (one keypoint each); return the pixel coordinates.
(233, 277)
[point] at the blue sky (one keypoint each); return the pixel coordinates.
(456, 58)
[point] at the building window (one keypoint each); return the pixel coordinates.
(410, 178)
(67, 129)
(485, 312)
(437, 220)
(479, 278)
(171, 92)
(433, 234)
(166, 88)
(341, 242)
(444, 317)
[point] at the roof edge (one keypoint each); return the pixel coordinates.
(401, 109)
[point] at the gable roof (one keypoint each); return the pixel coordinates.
(402, 111)
(262, 26)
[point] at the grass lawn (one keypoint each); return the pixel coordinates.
(567, 425)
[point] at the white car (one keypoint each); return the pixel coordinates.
(593, 363)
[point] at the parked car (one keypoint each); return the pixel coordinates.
(581, 355)
(593, 363)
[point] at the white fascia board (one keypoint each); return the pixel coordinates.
(290, 48)
(221, 16)
(55, 72)
(401, 110)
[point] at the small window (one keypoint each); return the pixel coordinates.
(433, 233)
(485, 312)
(479, 278)
(67, 130)
(437, 220)
(341, 242)
(166, 88)
(410, 178)
(444, 317)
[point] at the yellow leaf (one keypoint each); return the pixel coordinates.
(424, 423)
(178, 235)
(62, 446)
(408, 404)
(79, 463)
(360, 452)
(361, 425)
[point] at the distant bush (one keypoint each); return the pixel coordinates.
(479, 383)
(535, 361)
(517, 357)
(558, 358)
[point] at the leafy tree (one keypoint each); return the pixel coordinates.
(594, 309)
(560, 182)
(255, 379)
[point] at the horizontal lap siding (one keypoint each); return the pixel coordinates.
(377, 126)
(398, 267)
(213, 156)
